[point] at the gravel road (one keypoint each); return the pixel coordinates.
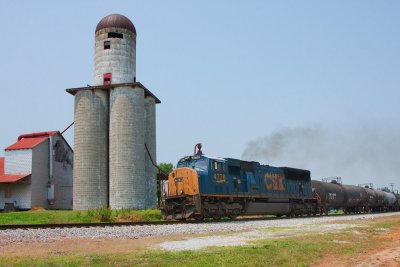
(135, 232)
(241, 238)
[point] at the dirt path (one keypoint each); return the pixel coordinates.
(387, 257)
(84, 246)
(385, 253)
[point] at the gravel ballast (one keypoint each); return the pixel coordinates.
(135, 232)
(242, 238)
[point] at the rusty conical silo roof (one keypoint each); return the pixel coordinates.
(116, 21)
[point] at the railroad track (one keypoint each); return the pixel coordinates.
(86, 225)
(117, 224)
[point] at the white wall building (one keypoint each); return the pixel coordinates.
(37, 172)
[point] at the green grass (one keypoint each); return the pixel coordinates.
(286, 252)
(278, 229)
(336, 212)
(295, 251)
(72, 216)
(388, 224)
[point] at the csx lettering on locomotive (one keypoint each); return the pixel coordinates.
(274, 181)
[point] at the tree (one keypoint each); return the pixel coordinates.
(166, 167)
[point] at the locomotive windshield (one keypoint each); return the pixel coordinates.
(199, 164)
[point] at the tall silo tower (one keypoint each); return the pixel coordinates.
(115, 63)
(129, 118)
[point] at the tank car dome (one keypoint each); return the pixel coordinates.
(116, 21)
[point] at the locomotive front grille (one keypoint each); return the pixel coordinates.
(183, 181)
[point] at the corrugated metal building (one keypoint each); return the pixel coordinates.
(37, 172)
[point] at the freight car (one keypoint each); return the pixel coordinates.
(329, 195)
(389, 201)
(397, 205)
(203, 186)
(352, 199)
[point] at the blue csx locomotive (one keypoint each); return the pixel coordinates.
(203, 186)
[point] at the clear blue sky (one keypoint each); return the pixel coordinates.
(233, 75)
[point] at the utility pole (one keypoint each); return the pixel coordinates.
(391, 184)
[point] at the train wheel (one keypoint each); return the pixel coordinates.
(216, 217)
(232, 216)
(198, 217)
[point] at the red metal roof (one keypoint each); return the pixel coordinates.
(29, 141)
(12, 178)
(1, 166)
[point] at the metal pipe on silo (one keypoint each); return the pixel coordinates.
(90, 174)
(150, 140)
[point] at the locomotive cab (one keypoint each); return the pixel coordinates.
(181, 200)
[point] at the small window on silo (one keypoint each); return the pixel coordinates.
(107, 45)
(107, 79)
(115, 35)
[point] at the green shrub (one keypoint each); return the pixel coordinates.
(104, 214)
(75, 216)
(91, 214)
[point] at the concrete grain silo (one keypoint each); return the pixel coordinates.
(90, 169)
(127, 151)
(128, 121)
